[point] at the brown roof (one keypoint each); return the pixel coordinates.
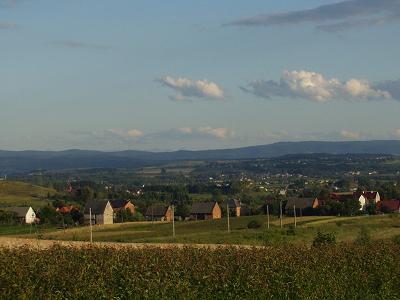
(234, 203)
(20, 211)
(390, 205)
(98, 207)
(157, 210)
(119, 203)
(203, 207)
(300, 203)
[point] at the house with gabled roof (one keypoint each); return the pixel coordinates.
(159, 213)
(25, 215)
(100, 210)
(120, 204)
(234, 206)
(205, 211)
(302, 205)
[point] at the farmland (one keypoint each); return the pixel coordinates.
(295, 272)
(346, 229)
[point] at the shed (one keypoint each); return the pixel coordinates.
(159, 213)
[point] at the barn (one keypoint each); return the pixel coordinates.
(101, 210)
(205, 211)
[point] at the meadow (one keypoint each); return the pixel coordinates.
(13, 193)
(346, 229)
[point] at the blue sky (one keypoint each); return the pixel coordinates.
(166, 75)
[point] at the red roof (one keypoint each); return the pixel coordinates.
(388, 205)
(66, 209)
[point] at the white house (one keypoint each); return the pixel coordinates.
(24, 214)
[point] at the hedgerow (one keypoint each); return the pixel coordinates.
(286, 272)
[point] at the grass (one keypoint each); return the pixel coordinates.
(215, 231)
(13, 193)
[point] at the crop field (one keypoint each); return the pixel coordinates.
(346, 229)
(344, 271)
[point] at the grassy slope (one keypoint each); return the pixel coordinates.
(23, 194)
(215, 232)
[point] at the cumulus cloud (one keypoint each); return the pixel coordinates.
(352, 135)
(187, 88)
(392, 86)
(314, 86)
(333, 17)
(77, 45)
(132, 133)
(186, 130)
(219, 133)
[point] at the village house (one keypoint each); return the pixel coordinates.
(119, 205)
(364, 198)
(302, 205)
(25, 215)
(66, 209)
(205, 211)
(101, 210)
(234, 206)
(388, 206)
(159, 213)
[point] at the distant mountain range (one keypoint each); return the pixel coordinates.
(25, 161)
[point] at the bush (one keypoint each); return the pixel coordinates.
(291, 231)
(254, 224)
(324, 239)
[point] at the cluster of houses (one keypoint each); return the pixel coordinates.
(365, 198)
(105, 211)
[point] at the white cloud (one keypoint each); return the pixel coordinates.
(352, 135)
(186, 130)
(220, 133)
(132, 133)
(314, 86)
(190, 88)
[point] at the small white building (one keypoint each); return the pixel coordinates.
(367, 198)
(24, 214)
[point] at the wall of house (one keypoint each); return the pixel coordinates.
(168, 215)
(131, 207)
(30, 216)
(108, 215)
(216, 213)
(363, 202)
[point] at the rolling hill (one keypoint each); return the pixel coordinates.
(25, 161)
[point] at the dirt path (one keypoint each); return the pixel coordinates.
(10, 242)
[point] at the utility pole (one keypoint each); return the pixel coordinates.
(91, 229)
(280, 208)
(173, 221)
(229, 225)
(294, 212)
(268, 216)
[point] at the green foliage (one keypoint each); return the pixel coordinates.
(396, 239)
(254, 224)
(8, 217)
(324, 239)
(283, 272)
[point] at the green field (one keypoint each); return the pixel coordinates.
(14, 193)
(346, 229)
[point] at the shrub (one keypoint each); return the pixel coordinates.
(291, 231)
(324, 239)
(254, 224)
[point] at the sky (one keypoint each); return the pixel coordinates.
(170, 75)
